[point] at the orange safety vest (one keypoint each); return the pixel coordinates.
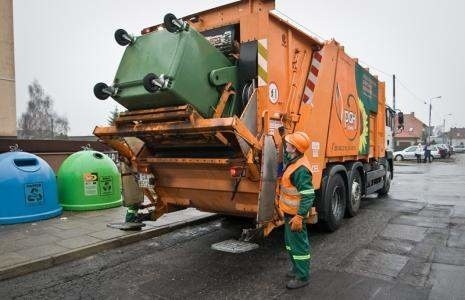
(289, 196)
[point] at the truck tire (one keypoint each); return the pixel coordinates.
(335, 202)
(387, 182)
(355, 193)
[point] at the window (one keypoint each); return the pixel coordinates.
(411, 149)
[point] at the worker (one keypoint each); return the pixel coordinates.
(418, 152)
(296, 195)
(427, 153)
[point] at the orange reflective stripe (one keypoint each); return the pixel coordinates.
(290, 191)
(290, 202)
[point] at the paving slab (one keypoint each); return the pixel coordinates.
(448, 255)
(437, 210)
(377, 264)
(404, 232)
(415, 272)
(42, 251)
(421, 221)
(457, 237)
(77, 242)
(423, 251)
(10, 259)
(394, 205)
(400, 247)
(436, 236)
(70, 233)
(38, 240)
(447, 282)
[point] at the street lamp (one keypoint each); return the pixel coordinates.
(429, 124)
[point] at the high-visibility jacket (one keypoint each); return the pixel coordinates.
(289, 195)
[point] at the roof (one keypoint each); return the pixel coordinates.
(457, 133)
(413, 127)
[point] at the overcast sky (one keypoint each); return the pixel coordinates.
(68, 46)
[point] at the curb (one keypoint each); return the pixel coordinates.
(54, 260)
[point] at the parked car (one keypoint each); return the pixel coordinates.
(406, 154)
(443, 150)
(459, 149)
(409, 153)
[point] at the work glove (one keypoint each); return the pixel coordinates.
(296, 223)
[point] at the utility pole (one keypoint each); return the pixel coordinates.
(444, 130)
(429, 123)
(394, 92)
(444, 137)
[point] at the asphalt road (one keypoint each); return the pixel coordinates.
(410, 245)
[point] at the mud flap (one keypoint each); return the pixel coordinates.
(268, 180)
(234, 246)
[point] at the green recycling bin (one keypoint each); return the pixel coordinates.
(89, 180)
(189, 69)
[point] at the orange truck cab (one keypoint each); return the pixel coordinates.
(280, 76)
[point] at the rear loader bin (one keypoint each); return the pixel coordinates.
(89, 180)
(190, 70)
(28, 189)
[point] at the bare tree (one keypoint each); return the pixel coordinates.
(40, 121)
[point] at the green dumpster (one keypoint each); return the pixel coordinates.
(188, 68)
(89, 180)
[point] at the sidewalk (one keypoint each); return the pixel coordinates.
(29, 247)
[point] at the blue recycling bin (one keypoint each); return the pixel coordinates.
(28, 189)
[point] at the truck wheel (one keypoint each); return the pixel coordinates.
(335, 201)
(355, 188)
(387, 181)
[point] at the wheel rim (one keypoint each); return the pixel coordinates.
(356, 192)
(336, 204)
(388, 177)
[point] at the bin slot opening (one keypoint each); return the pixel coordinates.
(25, 162)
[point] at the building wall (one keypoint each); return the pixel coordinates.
(7, 71)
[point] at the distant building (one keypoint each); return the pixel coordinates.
(457, 136)
(414, 132)
(7, 71)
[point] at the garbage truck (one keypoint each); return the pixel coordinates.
(206, 95)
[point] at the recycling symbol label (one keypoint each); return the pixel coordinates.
(106, 185)
(34, 193)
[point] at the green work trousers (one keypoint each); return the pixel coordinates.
(298, 247)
